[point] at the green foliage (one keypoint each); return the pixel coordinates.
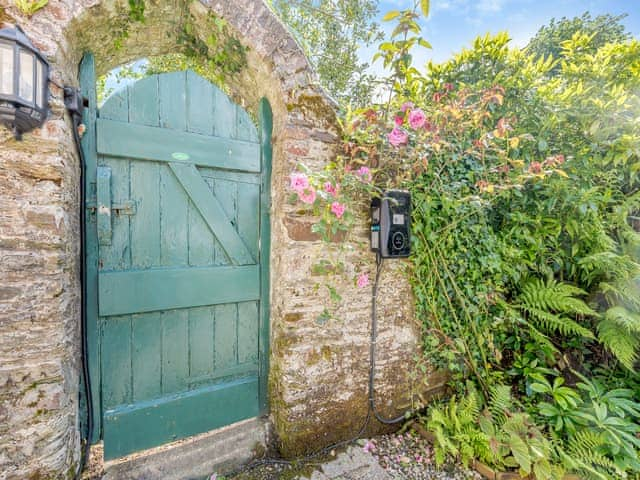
(545, 303)
(455, 427)
(136, 10)
(524, 178)
(215, 57)
(548, 41)
(331, 34)
(29, 7)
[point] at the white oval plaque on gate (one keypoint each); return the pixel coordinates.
(180, 156)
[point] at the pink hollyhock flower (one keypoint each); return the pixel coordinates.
(299, 182)
(397, 137)
(406, 106)
(307, 195)
(417, 119)
(398, 120)
(338, 209)
(330, 189)
(363, 280)
(365, 174)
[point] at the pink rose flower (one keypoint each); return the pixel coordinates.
(308, 195)
(398, 120)
(365, 174)
(397, 137)
(338, 209)
(417, 119)
(330, 189)
(299, 182)
(406, 106)
(363, 280)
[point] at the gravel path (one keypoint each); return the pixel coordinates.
(408, 456)
(405, 456)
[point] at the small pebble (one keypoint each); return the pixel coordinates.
(410, 457)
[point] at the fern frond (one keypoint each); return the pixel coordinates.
(625, 292)
(541, 338)
(608, 264)
(619, 341)
(583, 456)
(554, 296)
(556, 323)
(624, 318)
(501, 402)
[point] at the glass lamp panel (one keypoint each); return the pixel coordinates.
(39, 83)
(6, 69)
(27, 66)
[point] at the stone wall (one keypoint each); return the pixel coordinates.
(319, 367)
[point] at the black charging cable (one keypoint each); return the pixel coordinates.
(372, 349)
(75, 103)
(371, 407)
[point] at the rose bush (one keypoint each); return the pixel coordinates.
(525, 266)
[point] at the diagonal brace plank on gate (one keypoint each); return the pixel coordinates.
(212, 212)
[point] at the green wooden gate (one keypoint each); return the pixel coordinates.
(177, 235)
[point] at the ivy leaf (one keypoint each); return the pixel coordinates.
(424, 6)
(390, 15)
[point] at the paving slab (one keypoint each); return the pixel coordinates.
(352, 464)
(194, 458)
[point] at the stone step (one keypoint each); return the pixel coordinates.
(196, 457)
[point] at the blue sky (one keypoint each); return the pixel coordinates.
(453, 24)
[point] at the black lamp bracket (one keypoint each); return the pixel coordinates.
(74, 102)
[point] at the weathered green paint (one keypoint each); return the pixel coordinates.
(182, 290)
(266, 128)
(138, 291)
(88, 144)
(213, 213)
(103, 205)
(119, 139)
(207, 409)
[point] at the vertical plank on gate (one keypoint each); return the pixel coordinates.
(224, 113)
(116, 361)
(266, 129)
(200, 341)
(199, 104)
(173, 111)
(248, 329)
(248, 213)
(175, 337)
(143, 102)
(225, 336)
(226, 193)
(146, 356)
(245, 128)
(117, 107)
(117, 256)
(174, 204)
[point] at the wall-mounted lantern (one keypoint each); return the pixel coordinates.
(24, 83)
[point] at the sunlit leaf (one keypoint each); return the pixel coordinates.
(390, 15)
(424, 6)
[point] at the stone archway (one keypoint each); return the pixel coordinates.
(318, 372)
